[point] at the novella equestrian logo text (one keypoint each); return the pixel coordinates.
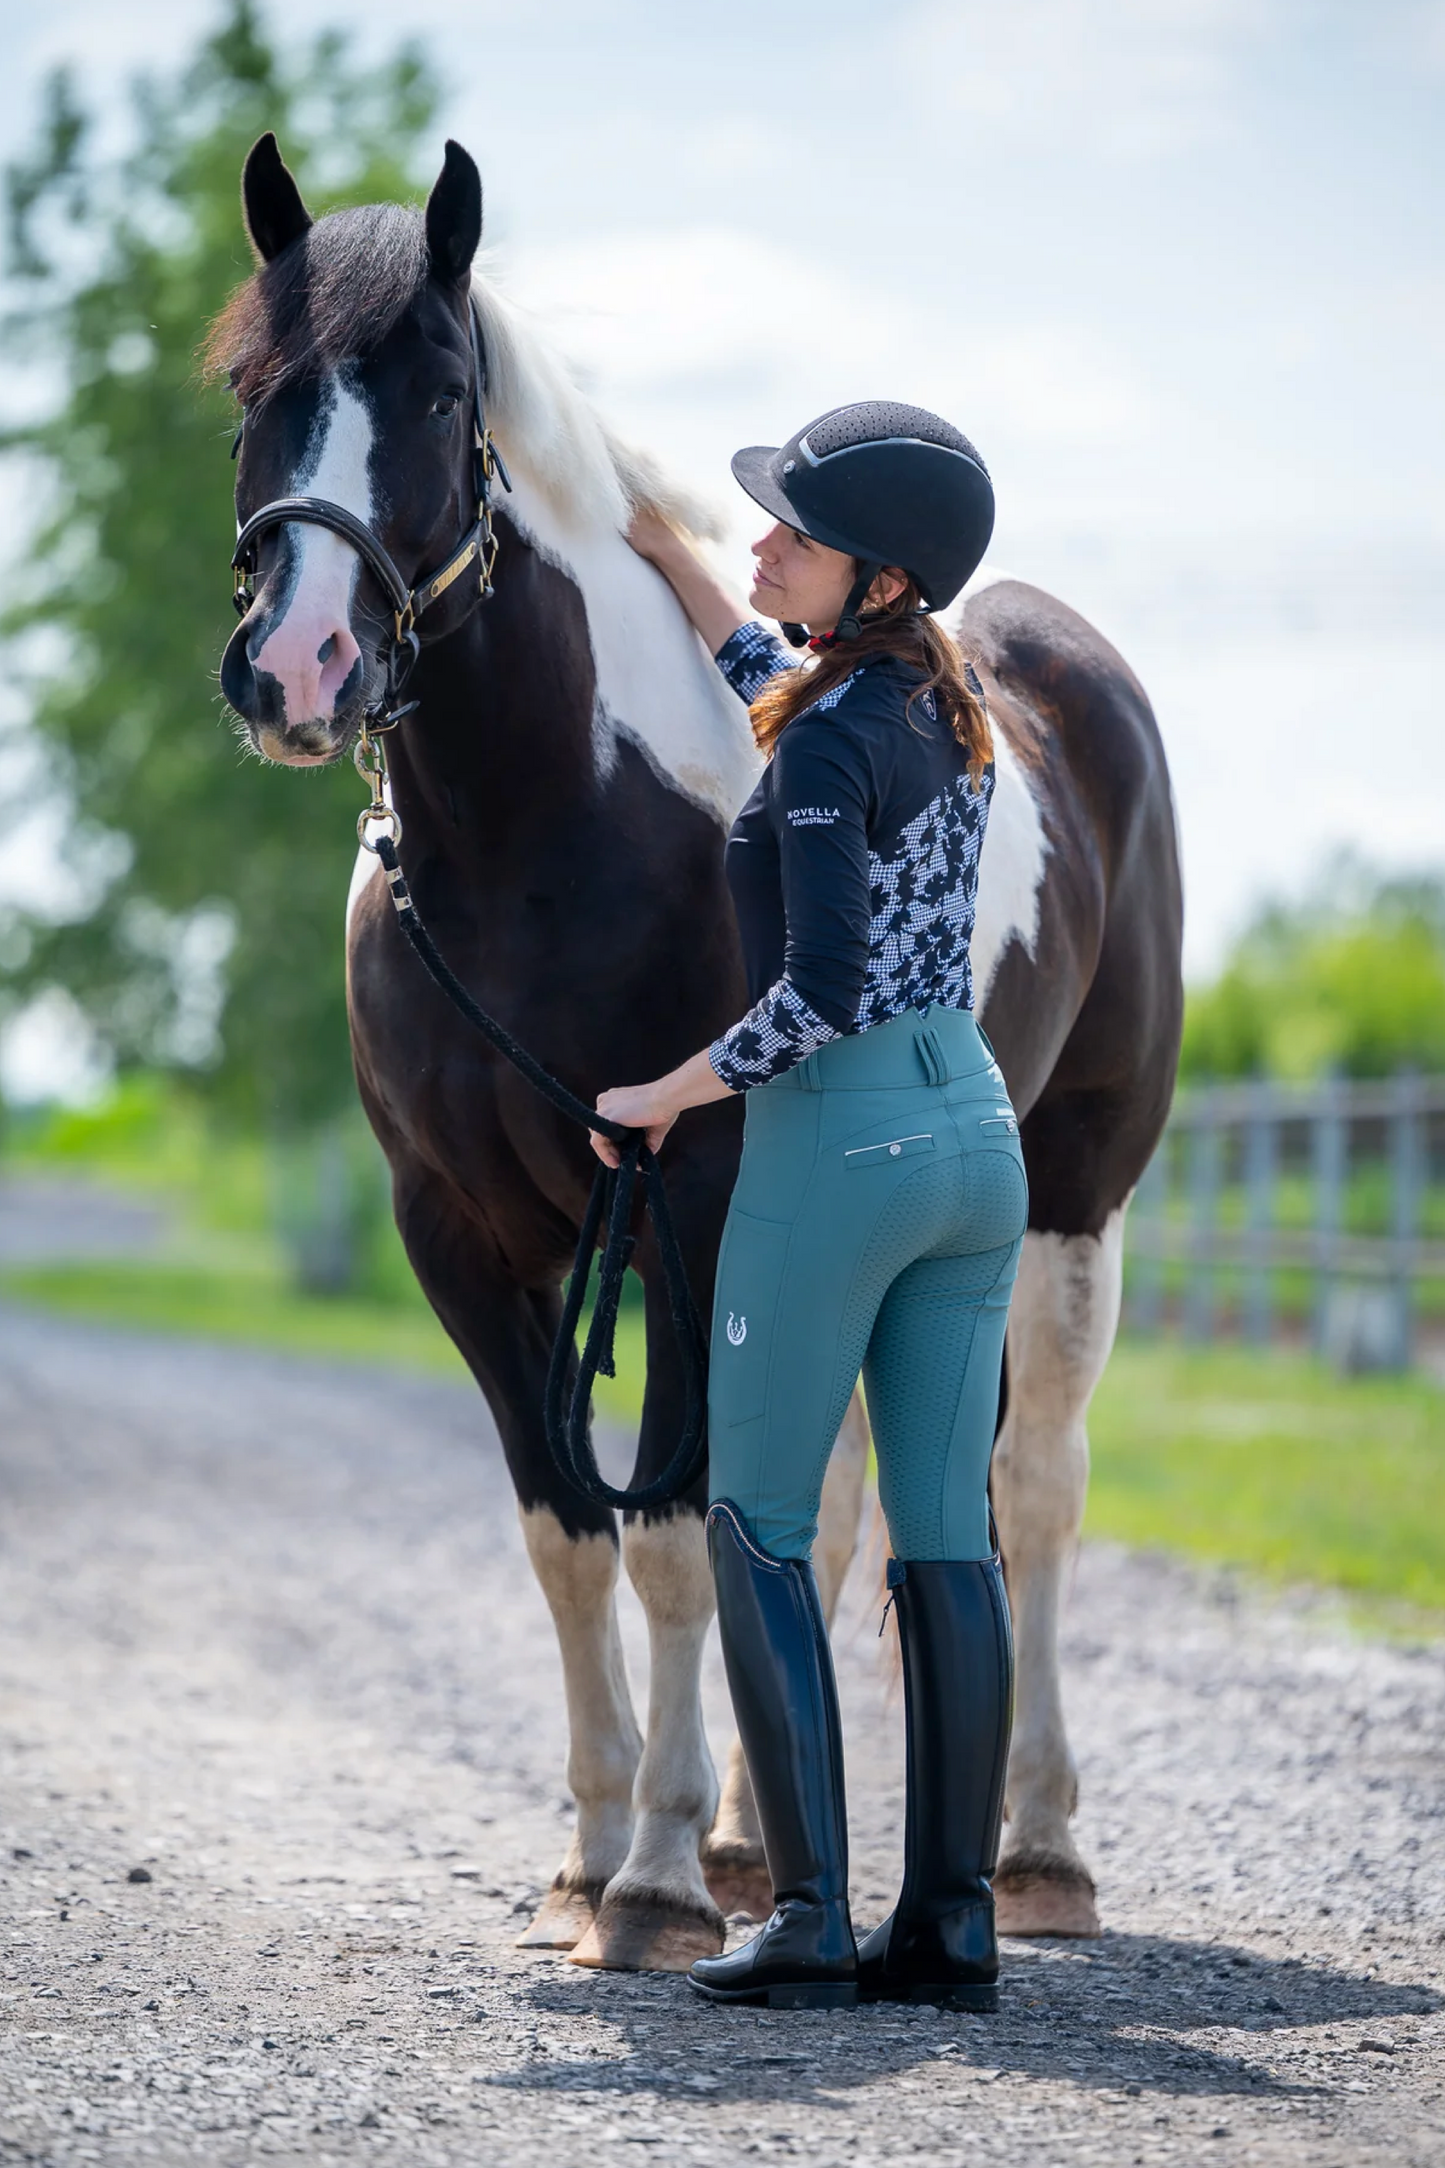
(737, 1329)
(812, 816)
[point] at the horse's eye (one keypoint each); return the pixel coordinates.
(446, 406)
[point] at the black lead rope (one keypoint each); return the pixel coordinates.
(612, 1198)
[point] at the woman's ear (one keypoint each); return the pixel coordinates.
(888, 586)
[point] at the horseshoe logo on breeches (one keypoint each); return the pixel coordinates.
(737, 1329)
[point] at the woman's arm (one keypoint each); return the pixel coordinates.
(714, 612)
(655, 1107)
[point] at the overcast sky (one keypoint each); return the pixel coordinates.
(1174, 264)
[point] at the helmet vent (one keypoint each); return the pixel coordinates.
(873, 421)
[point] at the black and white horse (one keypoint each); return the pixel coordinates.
(565, 787)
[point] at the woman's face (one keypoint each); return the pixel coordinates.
(800, 580)
(806, 583)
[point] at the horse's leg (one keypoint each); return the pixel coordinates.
(578, 1573)
(505, 1333)
(1061, 1328)
(737, 1873)
(656, 1914)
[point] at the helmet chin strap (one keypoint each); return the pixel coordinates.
(849, 624)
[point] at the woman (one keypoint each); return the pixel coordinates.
(881, 1200)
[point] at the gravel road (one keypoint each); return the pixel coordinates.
(282, 1750)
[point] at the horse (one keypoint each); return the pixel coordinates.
(563, 787)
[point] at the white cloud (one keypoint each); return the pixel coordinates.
(642, 308)
(1128, 78)
(722, 314)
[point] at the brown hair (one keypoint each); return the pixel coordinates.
(900, 629)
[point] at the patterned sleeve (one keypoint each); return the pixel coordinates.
(776, 1034)
(750, 656)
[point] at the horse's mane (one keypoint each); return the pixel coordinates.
(337, 292)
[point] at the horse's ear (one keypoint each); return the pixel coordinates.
(454, 217)
(275, 214)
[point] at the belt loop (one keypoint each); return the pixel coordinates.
(930, 1052)
(808, 1072)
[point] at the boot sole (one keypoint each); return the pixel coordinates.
(842, 1996)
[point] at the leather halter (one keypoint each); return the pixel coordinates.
(407, 603)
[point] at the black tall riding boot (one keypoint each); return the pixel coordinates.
(940, 1943)
(780, 1672)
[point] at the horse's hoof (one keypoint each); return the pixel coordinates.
(1045, 1894)
(739, 1886)
(656, 1934)
(561, 1920)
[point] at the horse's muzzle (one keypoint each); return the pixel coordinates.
(266, 705)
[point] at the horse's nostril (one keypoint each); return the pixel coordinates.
(327, 648)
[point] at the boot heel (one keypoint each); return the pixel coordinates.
(841, 1996)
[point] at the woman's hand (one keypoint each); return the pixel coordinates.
(654, 1108)
(652, 537)
(715, 614)
(635, 1106)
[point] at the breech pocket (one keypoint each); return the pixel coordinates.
(749, 1283)
(883, 1155)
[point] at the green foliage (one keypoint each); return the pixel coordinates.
(1351, 979)
(206, 921)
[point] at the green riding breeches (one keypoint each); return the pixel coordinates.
(875, 1227)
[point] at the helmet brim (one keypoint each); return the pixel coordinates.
(753, 471)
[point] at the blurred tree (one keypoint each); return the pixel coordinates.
(1352, 978)
(205, 921)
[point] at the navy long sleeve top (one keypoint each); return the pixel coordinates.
(853, 866)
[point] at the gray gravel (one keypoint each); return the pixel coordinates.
(269, 1639)
(45, 1221)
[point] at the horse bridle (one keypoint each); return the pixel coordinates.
(408, 604)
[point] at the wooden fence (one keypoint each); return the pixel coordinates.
(1321, 1194)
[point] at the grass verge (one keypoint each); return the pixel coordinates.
(1267, 1462)
(1272, 1463)
(258, 1308)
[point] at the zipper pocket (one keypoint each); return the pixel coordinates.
(868, 1155)
(1003, 1125)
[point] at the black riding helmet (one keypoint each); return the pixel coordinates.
(887, 483)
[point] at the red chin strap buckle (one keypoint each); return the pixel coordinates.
(820, 640)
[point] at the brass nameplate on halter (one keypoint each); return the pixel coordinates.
(457, 566)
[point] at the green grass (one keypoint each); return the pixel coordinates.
(255, 1308)
(1272, 1463)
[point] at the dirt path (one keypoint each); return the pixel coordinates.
(268, 1635)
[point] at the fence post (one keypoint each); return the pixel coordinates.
(1204, 1170)
(1329, 1155)
(1150, 1213)
(1261, 1158)
(1407, 1182)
